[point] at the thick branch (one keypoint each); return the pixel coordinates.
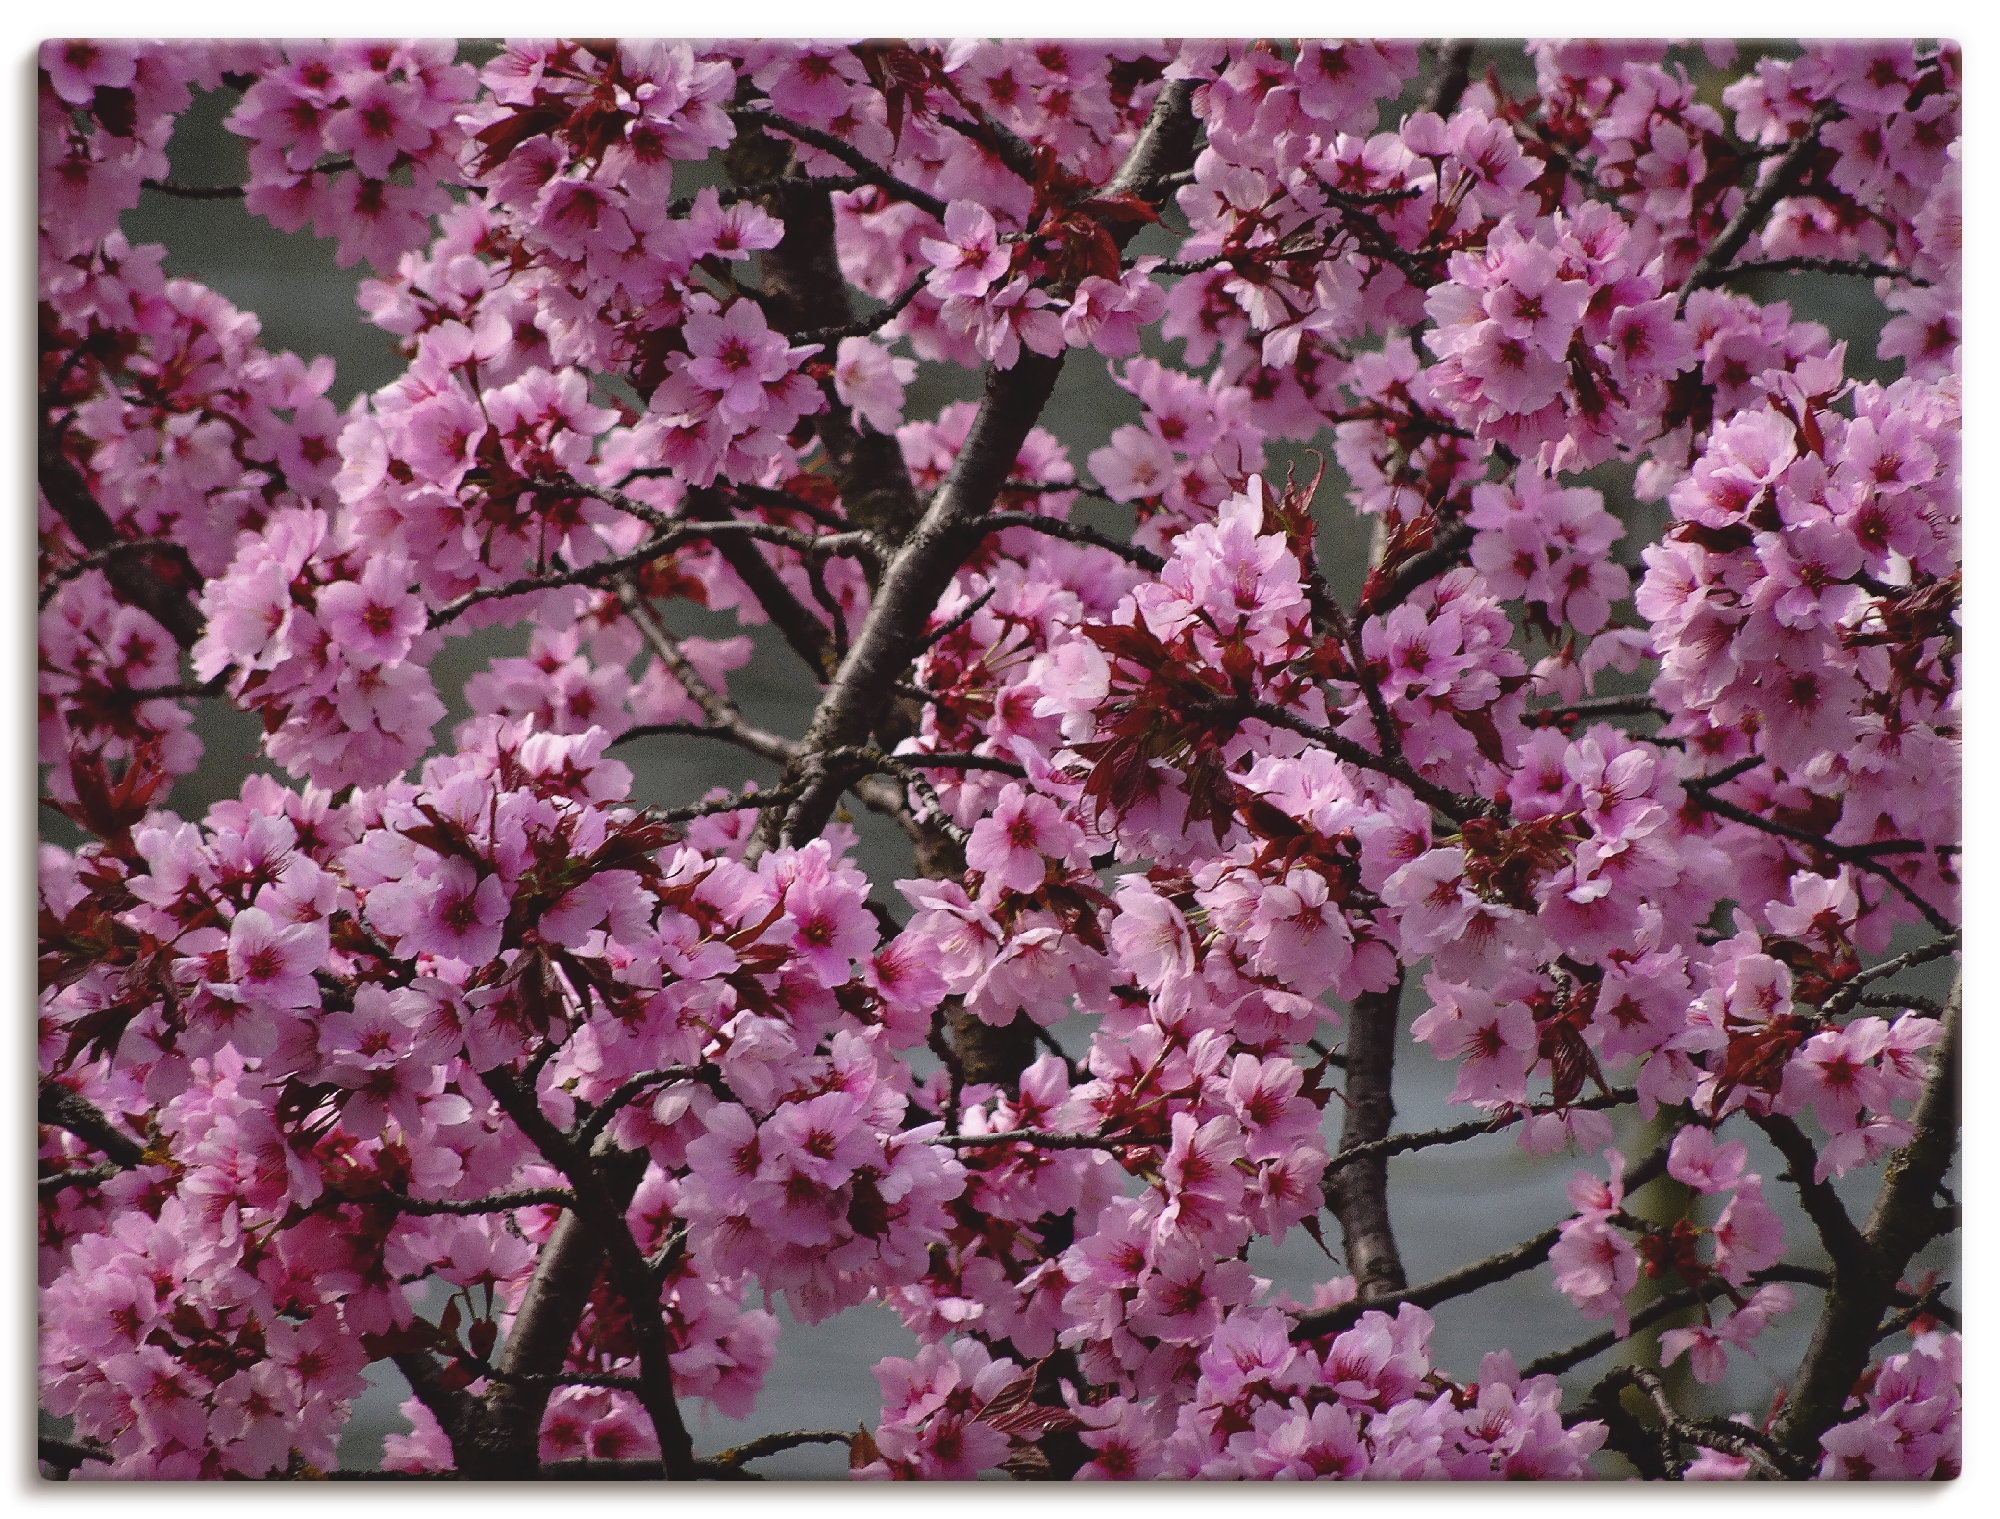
(605, 1214)
(61, 1181)
(1454, 63)
(808, 296)
(67, 1455)
(806, 634)
(537, 1345)
(938, 545)
(65, 1108)
(917, 578)
(1358, 1192)
(1844, 1244)
(1903, 1220)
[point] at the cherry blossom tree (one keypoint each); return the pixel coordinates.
(1622, 776)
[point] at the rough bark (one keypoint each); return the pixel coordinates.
(1358, 1193)
(1904, 1219)
(1454, 71)
(946, 534)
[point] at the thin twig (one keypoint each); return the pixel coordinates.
(1043, 1139)
(749, 801)
(1704, 797)
(1077, 532)
(1401, 1144)
(1498, 1267)
(861, 327)
(726, 195)
(960, 618)
(1458, 808)
(770, 1445)
(602, 1113)
(1861, 268)
(499, 1202)
(1843, 996)
(1557, 1362)
(1675, 1428)
(864, 166)
(861, 545)
(1637, 704)
(1749, 217)
(724, 718)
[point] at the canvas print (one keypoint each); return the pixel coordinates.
(962, 760)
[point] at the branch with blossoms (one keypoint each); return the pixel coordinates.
(468, 1052)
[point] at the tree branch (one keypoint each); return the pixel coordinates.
(1844, 1245)
(64, 1107)
(770, 1445)
(1483, 1273)
(1458, 808)
(603, 1112)
(1558, 1361)
(67, 1455)
(1703, 796)
(938, 545)
(861, 327)
(66, 489)
(1454, 60)
(1676, 1430)
(1076, 532)
(865, 167)
(1843, 995)
(1358, 1192)
(604, 1213)
(1042, 1139)
(1399, 1144)
(1903, 1220)
(805, 633)
(1749, 217)
(725, 719)
(499, 1202)
(1860, 268)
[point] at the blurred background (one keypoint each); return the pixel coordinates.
(1452, 1205)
